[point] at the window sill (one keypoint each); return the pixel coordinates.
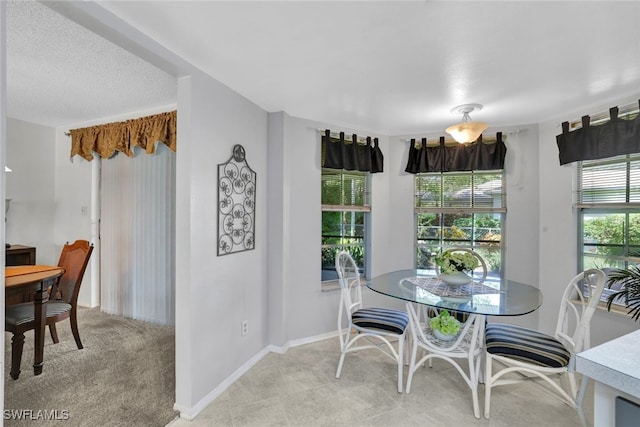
(330, 285)
(334, 285)
(618, 310)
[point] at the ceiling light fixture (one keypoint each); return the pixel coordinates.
(466, 131)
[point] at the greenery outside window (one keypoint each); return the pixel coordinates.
(460, 209)
(345, 218)
(608, 202)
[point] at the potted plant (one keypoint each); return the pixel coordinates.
(454, 266)
(629, 279)
(444, 326)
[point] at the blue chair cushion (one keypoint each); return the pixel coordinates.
(526, 345)
(384, 319)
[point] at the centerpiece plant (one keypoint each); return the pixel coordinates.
(451, 262)
(445, 323)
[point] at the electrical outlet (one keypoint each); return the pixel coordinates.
(245, 327)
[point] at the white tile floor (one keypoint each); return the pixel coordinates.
(299, 388)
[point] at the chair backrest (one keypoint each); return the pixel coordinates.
(349, 278)
(578, 304)
(483, 264)
(74, 259)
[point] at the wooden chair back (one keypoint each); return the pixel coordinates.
(74, 258)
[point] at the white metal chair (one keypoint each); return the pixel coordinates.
(538, 356)
(378, 327)
(465, 349)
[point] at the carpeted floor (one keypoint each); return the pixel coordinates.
(124, 376)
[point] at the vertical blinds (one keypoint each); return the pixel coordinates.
(138, 237)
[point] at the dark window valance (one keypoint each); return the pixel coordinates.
(105, 140)
(351, 155)
(591, 142)
(456, 158)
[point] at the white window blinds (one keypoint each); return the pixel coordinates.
(610, 183)
(452, 191)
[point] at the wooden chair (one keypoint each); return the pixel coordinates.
(62, 305)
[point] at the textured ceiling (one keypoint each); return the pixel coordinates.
(385, 66)
(60, 73)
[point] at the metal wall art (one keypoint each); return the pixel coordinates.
(236, 204)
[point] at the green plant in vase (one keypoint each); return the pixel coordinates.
(444, 325)
(455, 266)
(452, 262)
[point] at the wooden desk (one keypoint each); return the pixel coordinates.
(20, 255)
(38, 277)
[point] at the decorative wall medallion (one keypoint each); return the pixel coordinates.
(236, 204)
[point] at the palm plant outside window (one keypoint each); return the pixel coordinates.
(345, 217)
(454, 209)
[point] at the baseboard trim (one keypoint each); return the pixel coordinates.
(191, 413)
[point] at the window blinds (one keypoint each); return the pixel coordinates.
(611, 183)
(453, 191)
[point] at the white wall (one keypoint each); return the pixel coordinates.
(31, 188)
(294, 173)
(214, 295)
(73, 210)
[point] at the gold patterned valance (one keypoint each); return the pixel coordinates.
(106, 139)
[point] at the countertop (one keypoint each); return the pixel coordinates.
(615, 363)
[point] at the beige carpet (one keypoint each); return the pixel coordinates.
(124, 376)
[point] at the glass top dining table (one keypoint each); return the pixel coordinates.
(491, 297)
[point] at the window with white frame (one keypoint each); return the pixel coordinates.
(460, 209)
(345, 217)
(608, 203)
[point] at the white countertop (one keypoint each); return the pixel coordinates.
(615, 363)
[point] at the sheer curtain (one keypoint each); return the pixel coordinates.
(137, 236)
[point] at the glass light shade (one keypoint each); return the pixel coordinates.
(6, 169)
(466, 131)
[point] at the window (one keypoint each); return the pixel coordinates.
(345, 218)
(460, 209)
(608, 202)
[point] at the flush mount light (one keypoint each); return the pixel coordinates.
(466, 131)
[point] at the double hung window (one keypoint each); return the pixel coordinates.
(608, 203)
(460, 209)
(345, 218)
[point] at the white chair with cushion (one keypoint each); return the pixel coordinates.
(465, 349)
(532, 355)
(370, 327)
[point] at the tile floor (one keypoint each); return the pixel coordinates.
(299, 388)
